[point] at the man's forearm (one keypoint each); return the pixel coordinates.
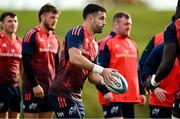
(29, 70)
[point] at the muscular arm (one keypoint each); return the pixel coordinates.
(169, 55)
(152, 63)
(74, 43)
(146, 53)
(28, 50)
(79, 60)
(57, 59)
(29, 69)
(94, 78)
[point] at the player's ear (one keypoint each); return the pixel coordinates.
(90, 19)
(1, 25)
(42, 17)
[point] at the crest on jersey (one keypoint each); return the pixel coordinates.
(49, 45)
(4, 45)
(13, 50)
(41, 40)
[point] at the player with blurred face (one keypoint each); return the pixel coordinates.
(40, 58)
(98, 22)
(125, 26)
(170, 53)
(161, 98)
(77, 62)
(50, 21)
(119, 51)
(10, 24)
(10, 58)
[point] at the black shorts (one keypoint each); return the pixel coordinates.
(10, 98)
(176, 108)
(160, 111)
(35, 105)
(67, 108)
(118, 109)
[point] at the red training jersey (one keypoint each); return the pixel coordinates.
(10, 58)
(69, 79)
(123, 56)
(43, 48)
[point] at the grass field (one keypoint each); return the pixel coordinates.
(146, 23)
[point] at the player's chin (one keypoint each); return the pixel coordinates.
(99, 30)
(52, 28)
(12, 30)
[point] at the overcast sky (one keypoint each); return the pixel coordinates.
(76, 4)
(161, 4)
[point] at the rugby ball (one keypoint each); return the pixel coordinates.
(118, 84)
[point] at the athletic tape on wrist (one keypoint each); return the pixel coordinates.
(102, 81)
(153, 82)
(98, 69)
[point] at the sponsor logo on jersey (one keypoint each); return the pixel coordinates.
(117, 46)
(47, 50)
(11, 55)
(125, 55)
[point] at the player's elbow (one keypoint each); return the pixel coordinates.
(168, 67)
(94, 81)
(74, 60)
(94, 78)
(91, 80)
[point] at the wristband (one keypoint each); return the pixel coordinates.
(153, 82)
(97, 69)
(102, 81)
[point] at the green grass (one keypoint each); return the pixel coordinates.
(146, 23)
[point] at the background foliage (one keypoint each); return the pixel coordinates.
(146, 23)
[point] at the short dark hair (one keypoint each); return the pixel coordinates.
(47, 8)
(92, 8)
(120, 15)
(5, 14)
(173, 17)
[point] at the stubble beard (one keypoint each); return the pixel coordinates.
(46, 24)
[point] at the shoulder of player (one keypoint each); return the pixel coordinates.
(158, 49)
(19, 40)
(103, 42)
(132, 40)
(108, 38)
(29, 34)
(77, 30)
(2, 36)
(172, 26)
